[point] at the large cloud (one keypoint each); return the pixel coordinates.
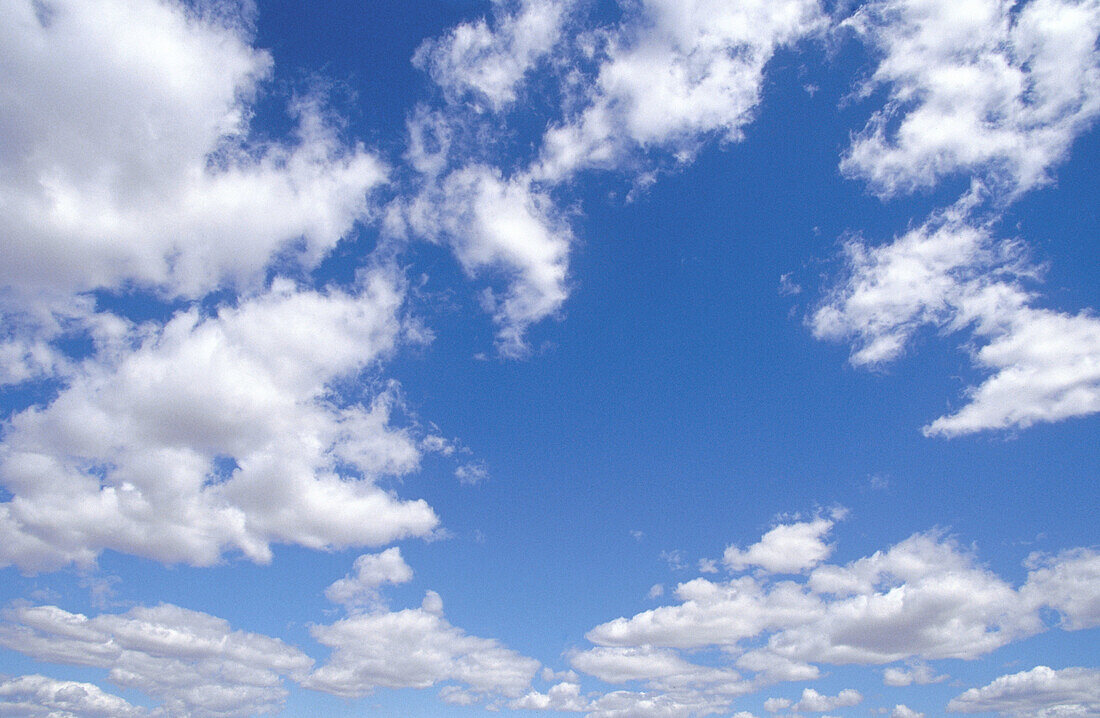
(922, 599)
(990, 87)
(218, 433)
(126, 154)
(951, 273)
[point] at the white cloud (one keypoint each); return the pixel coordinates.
(491, 62)
(1041, 692)
(193, 662)
(563, 696)
(41, 697)
(916, 673)
(814, 702)
(217, 434)
(371, 571)
(774, 705)
(922, 599)
(673, 74)
(414, 648)
(990, 87)
(787, 548)
(627, 704)
(903, 711)
(1068, 583)
(505, 226)
(126, 155)
(950, 273)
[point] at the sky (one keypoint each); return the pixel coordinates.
(611, 358)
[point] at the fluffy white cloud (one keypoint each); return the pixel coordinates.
(814, 702)
(371, 571)
(952, 274)
(490, 62)
(126, 155)
(660, 669)
(672, 74)
(216, 434)
(193, 662)
(414, 648)
(42, 697)
(788, 548)
(1068, 583)
(903, 711)
(991, 87)
(922, 599)
(1041, 692)
(916, 673)
(628, 704)
(563, 696)
(505, 226)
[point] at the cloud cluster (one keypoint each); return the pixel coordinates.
(988, 87)
(218, 433)
(193, 662)
(996, 91)
(923, 599)
(952, 274)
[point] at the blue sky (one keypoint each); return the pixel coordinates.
(565, 357)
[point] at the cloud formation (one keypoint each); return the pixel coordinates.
(193, 662)
(1041, 692)
(985, 87)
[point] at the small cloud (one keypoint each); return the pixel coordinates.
(788, 287)
(637, 535)
(472, 473)
(708, 565)
(674, 559)
(657, 590)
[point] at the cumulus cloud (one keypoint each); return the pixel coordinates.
(952, 274)
(193, 662)
(915, 673)
(903, 711)
(415, 648)
(41, 697)
(814, 702)
(1041, 692)
(925, 598)
(994, 88)
(218, 433)
(563, 696)
(671, 75)
(490, 62)
(361, 589)
(505, 226)
(788, 548)
(127, 156)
